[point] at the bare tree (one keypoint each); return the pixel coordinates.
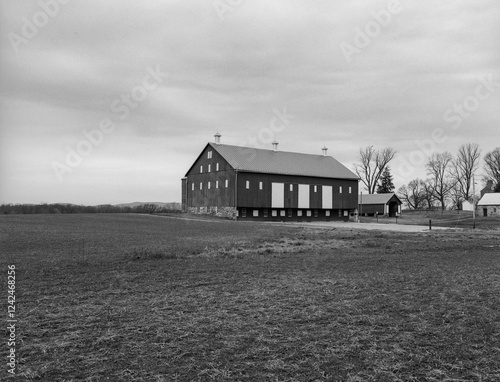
(438, 168)
(428, 194)
(372, 164)
(150, 208)
(464, 166)
(413, 194)
(492, 166)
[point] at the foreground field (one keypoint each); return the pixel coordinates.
(144, 298)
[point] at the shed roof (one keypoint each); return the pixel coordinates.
(282, 162)
(377, 198)
(490, 199)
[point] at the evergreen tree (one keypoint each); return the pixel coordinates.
(386, 185)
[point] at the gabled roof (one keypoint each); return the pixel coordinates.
(490, 199)
(377, 198)
(282, 162)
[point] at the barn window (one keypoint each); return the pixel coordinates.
(340, 189)
(308, 213)
(247, 184)
(227, 183)
(315, 188)
(265, 213)
(243, 212)
(340, 213)
(216, 184)
(291, 187)
(274, 213)
(346, 213)
(289, 213)
(315, 213)
(299, 213)
(209, 185)
(282, 213)
(209, 156)
(192, 186)
(201, 169)
(327, 213)
(260, 185)
(216, 167)
(209, 167)
(255, 213)
(201, 186)
(350, 190)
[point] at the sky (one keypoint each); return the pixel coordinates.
(112, 101)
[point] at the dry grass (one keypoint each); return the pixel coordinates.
(155, 299)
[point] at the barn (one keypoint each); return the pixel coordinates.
(489, 205)
(380, 204)
(258, 184)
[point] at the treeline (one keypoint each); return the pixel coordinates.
(59, 208)
(451, 180)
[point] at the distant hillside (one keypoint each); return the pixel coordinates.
(170, 205)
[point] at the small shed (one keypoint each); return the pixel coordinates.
(489, 205)
(381, 204)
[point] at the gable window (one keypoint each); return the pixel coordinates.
(217, 167)
(227, 183)
(192, 186)
(201, 186)
(340, 189)
(291, 188)
(201, 169)
(350, 190)
(209, 167)
(209, 185)
(209, 156)
(315, 188)
(260, 185)
(247, 185)
(216, 184)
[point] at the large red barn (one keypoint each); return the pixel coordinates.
(249, 183)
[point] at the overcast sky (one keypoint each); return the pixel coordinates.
(112, 101)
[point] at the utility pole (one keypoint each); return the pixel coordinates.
(473, 202)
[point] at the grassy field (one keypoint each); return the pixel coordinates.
(452, 219)
(146, 298)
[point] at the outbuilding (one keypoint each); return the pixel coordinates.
(379, 204)
(489, 205)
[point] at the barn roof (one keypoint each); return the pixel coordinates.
(282, 162)
(490, 199)
(376, 198)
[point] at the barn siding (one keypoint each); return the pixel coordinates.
(255, 198)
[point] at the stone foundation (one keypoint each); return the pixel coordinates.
(491, 211)
(222, 212)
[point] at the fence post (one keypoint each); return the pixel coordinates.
(430, 224)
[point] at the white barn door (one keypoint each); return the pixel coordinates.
(278, 195)
(304, 196)
(327, 202)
